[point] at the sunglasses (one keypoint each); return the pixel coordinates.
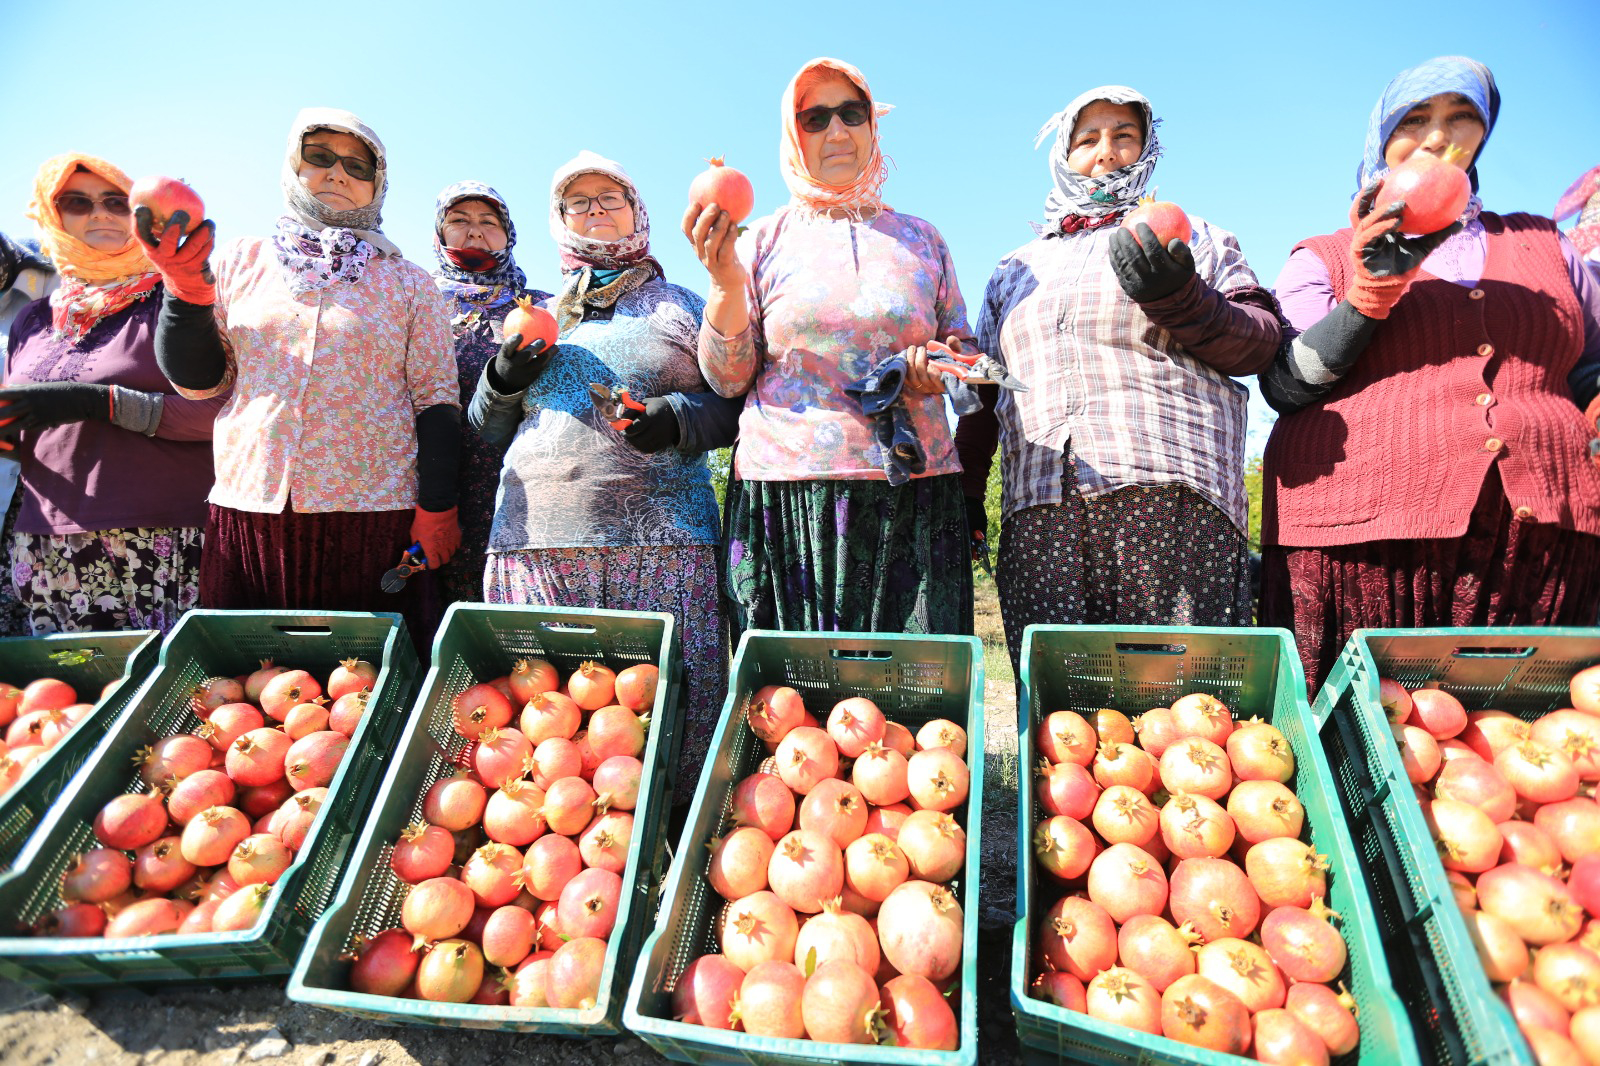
(817, 119)
(354, 165)
(76, 203)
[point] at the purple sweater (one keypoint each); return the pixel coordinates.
(89, 476)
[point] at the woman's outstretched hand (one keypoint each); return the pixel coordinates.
(713, 233)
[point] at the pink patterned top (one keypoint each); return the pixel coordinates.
(829, 299)
(326, 385)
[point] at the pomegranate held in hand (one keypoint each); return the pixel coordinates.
(1435, 189)
(725, 187)
(1166, 220)
(164, 196)
(531, 323)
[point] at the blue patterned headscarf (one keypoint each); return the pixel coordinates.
(1447, 74)
(477, 290)
(1111, 193)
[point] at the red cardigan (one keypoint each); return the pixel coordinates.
(1454, 380)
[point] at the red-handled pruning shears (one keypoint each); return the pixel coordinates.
(614, 405)
(975, 369)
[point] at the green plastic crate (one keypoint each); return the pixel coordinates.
(205, 644)
(87, 662)
(1257, 673)
(913, 680)
(475, 643)
(1458, 1019)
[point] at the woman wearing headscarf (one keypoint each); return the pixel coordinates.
(338, 447)
(1123, 465)
(477, 273)
(115, 464)
(1430, 465)
(593, 516)
(828, 528)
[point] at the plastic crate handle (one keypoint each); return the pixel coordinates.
(304, 631)
(1494, 653)
(1152, 649)
(860, 653)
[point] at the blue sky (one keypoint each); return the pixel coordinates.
(1264, 105)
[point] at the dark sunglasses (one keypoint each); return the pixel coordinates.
(817, 119)
(75, 203)
(354, 165)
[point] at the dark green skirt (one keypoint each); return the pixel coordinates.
(848, 556)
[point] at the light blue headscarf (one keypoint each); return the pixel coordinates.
(1446, 74)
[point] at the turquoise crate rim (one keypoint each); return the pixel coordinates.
(1363, 923)
(797, 1050)
(1363, 685)
(177, 943)
(424, 1013)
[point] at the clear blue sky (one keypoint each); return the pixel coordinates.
(1265, 105)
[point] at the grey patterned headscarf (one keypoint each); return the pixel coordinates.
(1119, 190)
(365, 222)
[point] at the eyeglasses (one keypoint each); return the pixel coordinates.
(817, 119)
(577, 205)
(75, 203)
(354, 165)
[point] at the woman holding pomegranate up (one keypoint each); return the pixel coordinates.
(826, 532)
(1430, 465)
(1123, 466)
(478, 275)
(115, 464)
(338, 447)
(601, 508)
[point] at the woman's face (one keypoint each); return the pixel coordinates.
(1435, 125)
(1106, 137)
(473, 224)
(99, 228)
(333, 185)
(597, 222)
(835, 154)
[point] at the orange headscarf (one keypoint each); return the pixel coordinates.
(859, 195)
(72, 257)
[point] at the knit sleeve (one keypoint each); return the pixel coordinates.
(1323, 341)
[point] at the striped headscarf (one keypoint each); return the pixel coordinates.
(498, 283)
(1446, 74)
(862, 193)
(1110, 193)
(94, 283)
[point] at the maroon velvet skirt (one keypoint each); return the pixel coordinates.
(332, 561)
(1504, 571)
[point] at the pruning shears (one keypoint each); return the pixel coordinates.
(976, 368)
(614, 405)
(980, 551)
(414, 560)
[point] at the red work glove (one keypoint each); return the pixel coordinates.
(185, 267)
(1385, 259)
(438, 533)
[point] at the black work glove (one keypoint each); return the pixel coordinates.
(655, 428)
(516, 368)
(1145, 270)
(1385, 251)
(51, 403)
(977, 516)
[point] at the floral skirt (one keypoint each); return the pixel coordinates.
(106, 580)
(681, 580)
(1161, 556)
(849, 556)
(1504, 571)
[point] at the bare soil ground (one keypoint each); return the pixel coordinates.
(178, 1026)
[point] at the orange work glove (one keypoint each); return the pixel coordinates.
(438, 533)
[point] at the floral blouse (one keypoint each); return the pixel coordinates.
(570, 480)
(829, 299)
(326, 385)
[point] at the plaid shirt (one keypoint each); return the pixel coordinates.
(1137, 408)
